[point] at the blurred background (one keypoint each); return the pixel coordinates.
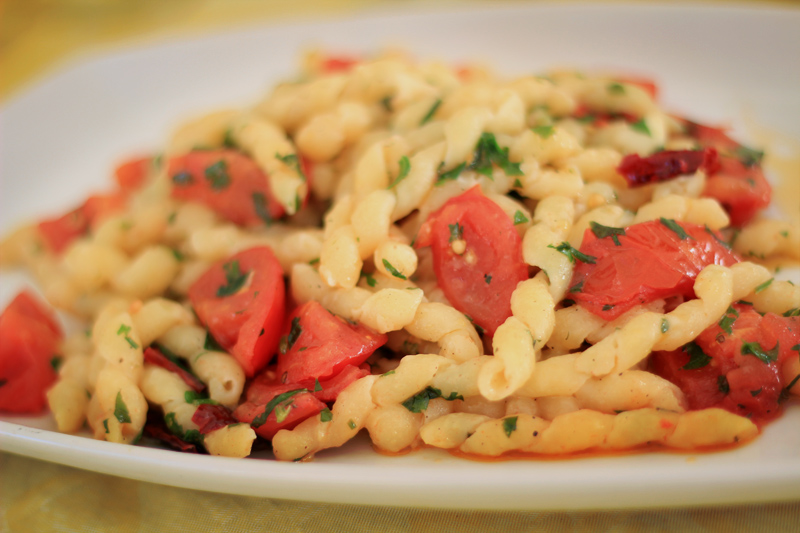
(38, 35)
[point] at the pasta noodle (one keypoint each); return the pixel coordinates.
(546, 265)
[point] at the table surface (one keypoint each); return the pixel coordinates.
(39, 36)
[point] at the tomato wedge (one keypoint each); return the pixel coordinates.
(643, 263)
(283, 407)
(241, 300)
(30, 340)
(131, 174)
(477, 278)
(735, 364)
(228, 182)
(318, 345)
(59, 232)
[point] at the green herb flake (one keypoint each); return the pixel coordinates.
(351, 424)
(764, 285)
(431, 112)
(261, 208)
(509, 425)
(664, 325)
(792, 312)
(573, 254)
(450, 175)
(675, 227)
(487, 278)
(228, 140)
(317, 385)
(124, 329)
(544, 131)
(578, 287)
(211, 343)
(234, 279)
(325, 415)
(182, 179)
(55, 362)
(392, 270)
(600, 231)
(722, 384)
(405, 167)
(749, 156)
(488, 153)
(293, 162)
(282, 411)
(419, 402)
(786, 391)
(755, 393)
(697, 357)
(456, 232)
(294, 332)
(280, 399)
(520, 218)
(728, 319)
(755, 349)
(640, 126)
(371, 281)
(716, 238)
(389, 373)
(121, 410)
(616, 88)
(386, 102)
(105, 425)
(217, 175)
(177, 255)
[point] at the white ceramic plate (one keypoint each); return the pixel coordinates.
(61, 137)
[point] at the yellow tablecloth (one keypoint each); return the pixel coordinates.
(37, 35)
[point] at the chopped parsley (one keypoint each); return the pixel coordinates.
(616, 88)
(431, 112)
(489, 153)
(211, 344)
(792, 312)
(228, 140)
(450, 175)
(419, 402)
(292, 161)
(674, 226)
(124, 329)
(573, 254)
(317, 385)
(392, 270)
(509, 425)
(520, 218)
(370, 280)
(600, 231)
(405, 166)
(578, 287)
(456, 232)
(182, 179)
(755, 393)
(351, 424)
(261, 209)
(786, 391)
(749, 156)
(217, 175)
(234, 279)
(755, 349)
(641, 127)
(55, 362)
(198, 398)
(664, 325)
(764, 285)
(543, 131)
(192, 436)
(714, 234)
(697, 357)
(325, 415)
(487, 278)
(121, 410)
(281, 400)
(728, 319)
(287, 341)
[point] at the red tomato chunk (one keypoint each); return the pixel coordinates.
(59, 232)
(30, 341)
(317, 345)
(228, 182)
(478, 280)
(649, 261)
(735, 364)
(241, 300)
(284, 406)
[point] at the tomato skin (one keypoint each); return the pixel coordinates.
(247, 323)
(299, 407)
(651, 262)
(260, 389)
(743, 191)
(738, 382)
(155, 357)
(338, 63)
(210, 417)
(59, 232)
(478, 282)
(131, 173)
(240, 193)
(325, 345)
(30, 338)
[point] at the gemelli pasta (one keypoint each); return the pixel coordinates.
(437, 255)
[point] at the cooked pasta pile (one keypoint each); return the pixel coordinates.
(545, 265)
